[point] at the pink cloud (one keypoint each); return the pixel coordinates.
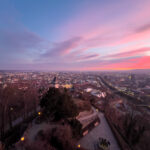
(63, 48)
(98, 28)
(141, 51)
(87, 57)
(126, 64)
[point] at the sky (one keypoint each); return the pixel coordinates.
(74, 35)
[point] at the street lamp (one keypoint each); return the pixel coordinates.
(78, 145)
(39, 113)
(22, 139)
(11, 109)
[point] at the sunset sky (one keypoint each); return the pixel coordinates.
(74, 34)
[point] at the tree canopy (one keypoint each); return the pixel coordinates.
(58, 104)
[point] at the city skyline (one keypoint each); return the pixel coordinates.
(75, 35)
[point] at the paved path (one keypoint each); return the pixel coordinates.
(102, 130)
(89, 116)
(20, 119)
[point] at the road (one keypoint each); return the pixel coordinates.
(102, 130)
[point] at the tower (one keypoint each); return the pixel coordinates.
(54, 82)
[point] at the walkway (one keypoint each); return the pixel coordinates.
(102, 130)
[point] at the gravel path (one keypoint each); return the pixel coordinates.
(102, 130)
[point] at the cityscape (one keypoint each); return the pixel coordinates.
(74, 75)
(106, 102)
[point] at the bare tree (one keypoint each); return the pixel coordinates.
(133, 129)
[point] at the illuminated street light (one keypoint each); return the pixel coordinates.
(79, 146)
(11, 108)
(22, 139)
(39, 113)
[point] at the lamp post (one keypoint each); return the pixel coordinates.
(22, 140)
(39, 113)
(78, 146)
